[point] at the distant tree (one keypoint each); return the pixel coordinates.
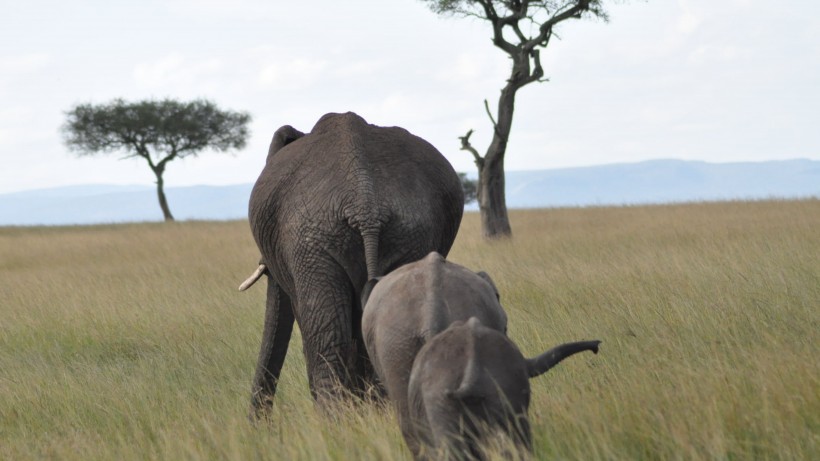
(520, 28)
(157, 131)
(470, 188)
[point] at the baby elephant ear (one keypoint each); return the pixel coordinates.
(368, 287)
(489, 280)
(541, 364)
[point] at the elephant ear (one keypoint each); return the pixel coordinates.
(489, 280)
(282, 137)
(541, 364)
(368, 288)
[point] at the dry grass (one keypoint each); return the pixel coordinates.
(131, 341)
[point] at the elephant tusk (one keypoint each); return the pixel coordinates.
(253, 278)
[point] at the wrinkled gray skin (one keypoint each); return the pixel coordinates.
(470, 379)
(408, 307)
(331, 209)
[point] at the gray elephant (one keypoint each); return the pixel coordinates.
(470, 380)
(411, 319)
(345, 203)
(408, 307)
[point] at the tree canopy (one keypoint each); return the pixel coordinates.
(514, 11)
(157, 131)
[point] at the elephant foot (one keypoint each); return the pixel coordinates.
(370, 392)
(261, 407)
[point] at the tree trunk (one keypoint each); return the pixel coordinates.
(492, 201)
(163, 202)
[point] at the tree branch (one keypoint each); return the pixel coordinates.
(489, 114)
(518, 12)
(521, 37)
(465, 145)
(537, 71)
(545, 30)
(164, 161)
(498, 27)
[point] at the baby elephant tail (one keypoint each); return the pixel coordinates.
(539, 365)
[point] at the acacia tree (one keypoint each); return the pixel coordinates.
(157, 131)
(520, 28)
(470, 188)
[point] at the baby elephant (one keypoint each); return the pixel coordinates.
(409, 306)
(470, 380)
(436, 335)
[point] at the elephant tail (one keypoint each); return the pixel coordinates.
(541, 364)
(370, 237)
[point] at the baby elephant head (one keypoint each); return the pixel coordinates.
(470, 380)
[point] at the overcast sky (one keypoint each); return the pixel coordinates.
(721, 81)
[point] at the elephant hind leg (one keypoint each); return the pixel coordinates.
(366, 383)
(275, 338)
(326, 319)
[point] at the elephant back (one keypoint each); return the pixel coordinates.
(347, 178)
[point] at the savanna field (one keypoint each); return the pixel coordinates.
(132, 342)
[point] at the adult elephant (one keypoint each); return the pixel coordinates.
(333, 208)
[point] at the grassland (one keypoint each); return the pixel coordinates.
(131, 342)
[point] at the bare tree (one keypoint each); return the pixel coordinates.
(520, 28)
(157, 131)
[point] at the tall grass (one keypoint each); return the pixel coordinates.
(131, 341)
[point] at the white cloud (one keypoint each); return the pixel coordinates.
(681, 76)
(359, 68)
(14, 68)
(222, 9)
(24, 63)
(473, 69)
(176, 71)
(18, 126)
(689, 21)
(711, 53)
(690, 127)
(398, 108)
(292, 74)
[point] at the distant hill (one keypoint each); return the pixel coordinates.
(655, 181)
(663, 181)
(96, 204)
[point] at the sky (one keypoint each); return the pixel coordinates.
(727, 81)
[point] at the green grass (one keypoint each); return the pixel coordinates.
(131, 341)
